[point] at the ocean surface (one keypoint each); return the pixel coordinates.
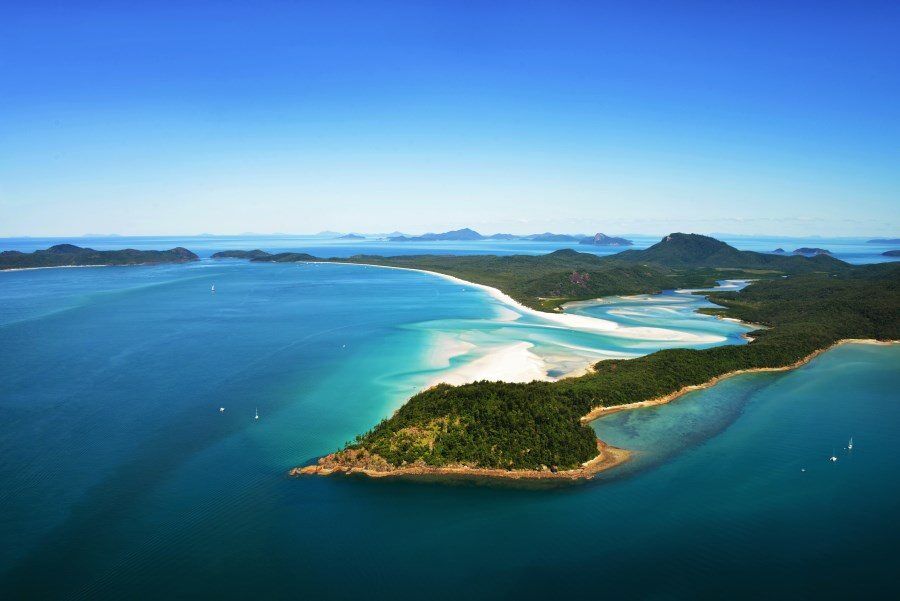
(121, 478)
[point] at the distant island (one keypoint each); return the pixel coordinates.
(807, 250)
(466, 234)
(891, 253)
(550, 237)
(261, 255)
(539, 430)
(891, 241)
(241, 254)
(600, 239)
(69, 255)
(463, 234)
(351, 237)
(778, 251)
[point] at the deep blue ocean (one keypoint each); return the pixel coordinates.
(120, 478)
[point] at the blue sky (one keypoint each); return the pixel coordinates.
(622, 117)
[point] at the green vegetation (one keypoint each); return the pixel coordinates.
(805, 303)
(241, 254)
(693, 250)
(544, 282)
(522, 426)
(63, 255)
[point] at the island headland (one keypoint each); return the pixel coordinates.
(804, 306)
(69, 255)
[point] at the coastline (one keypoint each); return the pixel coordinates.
(516, 363)
(607, 458)
(59, 267)
(569, 320)
(599, 412)
(579, 322)
(98, 265)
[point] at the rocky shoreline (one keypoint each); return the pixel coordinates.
(354, 462)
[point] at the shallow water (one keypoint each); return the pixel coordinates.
(119, 477)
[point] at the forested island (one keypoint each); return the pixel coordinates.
(803, 305)
(69, 255)
(601, 239)
(807, 250)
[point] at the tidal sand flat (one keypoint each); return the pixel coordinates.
(550, 346)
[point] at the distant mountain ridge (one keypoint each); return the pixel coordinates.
(470, 234)
(463, 234)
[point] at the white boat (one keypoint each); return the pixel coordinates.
(833, 458)
(213, 288)
(221, 409)
(256, 415)
(850, 444)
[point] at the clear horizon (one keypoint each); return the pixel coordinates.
(569, 117)
(330, 232)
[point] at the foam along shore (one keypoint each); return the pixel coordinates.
(571, 321)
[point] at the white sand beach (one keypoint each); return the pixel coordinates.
(517, 362)
(511, 363)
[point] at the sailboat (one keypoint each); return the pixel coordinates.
(256, 415)
(213, 288)
(850, 444)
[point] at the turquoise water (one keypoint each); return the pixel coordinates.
(120, 477)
